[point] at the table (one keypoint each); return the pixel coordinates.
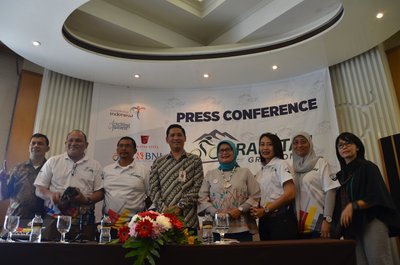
(299, 252)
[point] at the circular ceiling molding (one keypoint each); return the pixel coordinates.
(191, 30)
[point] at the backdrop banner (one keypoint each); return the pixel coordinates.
(240, 114)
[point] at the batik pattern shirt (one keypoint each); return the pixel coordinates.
(173, 181)
(21, 191)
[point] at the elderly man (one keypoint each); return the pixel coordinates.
(71, 183)
(175, 179)
(126, 184)
(18, 184)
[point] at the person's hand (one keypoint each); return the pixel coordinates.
(55, 198)
(79, 199)
(257, 212)
(325, 229)
(346, 216)
(234, 213)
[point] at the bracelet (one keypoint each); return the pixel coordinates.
(355, 206)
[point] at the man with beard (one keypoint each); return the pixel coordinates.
(126, 185)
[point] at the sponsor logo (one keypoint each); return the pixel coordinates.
(207, 147)
(144, 139)
(132, 112)
(119, 126)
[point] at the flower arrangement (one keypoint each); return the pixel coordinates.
(148, 231)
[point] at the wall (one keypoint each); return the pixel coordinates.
(393, 56)
(24, 117)
(8, 90)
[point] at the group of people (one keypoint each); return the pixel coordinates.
(302, 199)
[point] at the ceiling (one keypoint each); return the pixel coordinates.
(172, 43)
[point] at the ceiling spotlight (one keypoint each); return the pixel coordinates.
(36, 43)
(136, 76)
(379, 15)
(274, 67)
(206, 76)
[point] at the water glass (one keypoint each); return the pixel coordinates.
(10, 225)
(222, 225)
(63, 226)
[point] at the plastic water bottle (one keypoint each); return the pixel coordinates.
(207, 234)
(105, 230)
(36, 229)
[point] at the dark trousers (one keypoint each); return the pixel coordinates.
(279, 225)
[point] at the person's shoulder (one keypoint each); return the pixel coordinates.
(109, 167)
(192, 156)
(245, 170)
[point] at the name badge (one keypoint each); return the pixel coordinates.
(182, 176)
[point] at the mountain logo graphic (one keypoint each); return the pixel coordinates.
(207, 145)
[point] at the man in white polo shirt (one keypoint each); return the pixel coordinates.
(126, 185)
(84, 177)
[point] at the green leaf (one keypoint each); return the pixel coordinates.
(131, 254)
(151, 260)
(155, 252)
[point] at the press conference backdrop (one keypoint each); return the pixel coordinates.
(240, 114)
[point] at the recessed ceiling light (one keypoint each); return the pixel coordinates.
(36, 43)
(379, 15)
(136, 76)
(274, 67)
(206, 76)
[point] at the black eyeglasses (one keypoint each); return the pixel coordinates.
(344, 144)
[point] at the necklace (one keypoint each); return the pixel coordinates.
(227, 181)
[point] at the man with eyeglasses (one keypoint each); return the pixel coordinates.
(175, 179)
(70, 184)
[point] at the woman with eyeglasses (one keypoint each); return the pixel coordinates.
(315, 188)
(364, 210)
(276, 213)
(230, 189)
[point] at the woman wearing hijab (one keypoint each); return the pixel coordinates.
(230, 189)
(277, 218)
(364, 210)
(315, 189)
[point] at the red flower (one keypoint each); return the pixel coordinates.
(144, 228)
(151, 214)
(123, 234)
(176, 223)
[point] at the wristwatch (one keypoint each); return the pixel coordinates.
(240, 208)
(181, 205)
(266, 210)
(328, 219)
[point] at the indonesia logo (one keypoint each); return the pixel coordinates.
(137, 110)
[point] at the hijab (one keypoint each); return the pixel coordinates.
(306, 163)
(233, 163)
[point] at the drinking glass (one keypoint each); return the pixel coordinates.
(63, 226)
(11, 224)
(222, 225)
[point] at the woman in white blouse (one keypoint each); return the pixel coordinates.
(277, 219)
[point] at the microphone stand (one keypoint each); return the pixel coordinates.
(80, 237)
